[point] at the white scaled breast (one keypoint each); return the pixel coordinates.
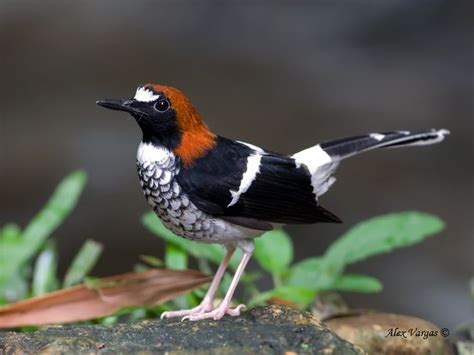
(157, 170)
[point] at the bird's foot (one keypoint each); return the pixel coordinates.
(202, 308)
(215, 314)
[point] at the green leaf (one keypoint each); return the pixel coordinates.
(140, 267)
(109, 320)
(357, 283)
(204, 266)
(28, 329)
(199, 293)
(152, 260)
(300, 296)
(17, 286)
(184, 302)
(10, 253)
(211, 252)
(83, 263)
(304, 273)
(274, 251)
(251, 276)
(58, 207)
(13, 277)
(44, 276)
(137, 314)
(175, 257)
(225, 284)
(383, 234)
(10, 233)
(375, 236)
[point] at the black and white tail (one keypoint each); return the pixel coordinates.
(323, 159)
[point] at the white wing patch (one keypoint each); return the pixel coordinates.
(322, 179)
(320, 166)
(144, 94)
(312, 157)
(253, 168)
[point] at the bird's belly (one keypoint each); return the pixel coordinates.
(178, 213)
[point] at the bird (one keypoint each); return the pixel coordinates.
(211, 189)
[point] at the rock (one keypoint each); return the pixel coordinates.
(272, 329)
(385, 333)
(327, 304)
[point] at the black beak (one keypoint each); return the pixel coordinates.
(119, 105)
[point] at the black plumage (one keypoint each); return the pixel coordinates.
(346, 147)
(280, 193)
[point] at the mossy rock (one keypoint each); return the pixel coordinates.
(272, 329)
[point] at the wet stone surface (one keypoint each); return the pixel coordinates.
(268, 330)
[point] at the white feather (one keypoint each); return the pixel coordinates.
(147, 152)
(377, 136)
(313, 157)
(320, 166)
(440, 134)
(144, 94)
(253, 168)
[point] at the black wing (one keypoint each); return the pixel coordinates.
(280, 193)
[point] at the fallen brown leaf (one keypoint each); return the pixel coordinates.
(79, 303)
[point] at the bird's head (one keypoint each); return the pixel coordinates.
(168, 119)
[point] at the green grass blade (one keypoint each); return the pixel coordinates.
(10, 253)
(44, 276)
(17, 251)
(58, 207)
(83, 263)
(152, 260)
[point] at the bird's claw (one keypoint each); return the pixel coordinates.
(215, 314)
(202, 308)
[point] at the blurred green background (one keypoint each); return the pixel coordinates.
(283, 75)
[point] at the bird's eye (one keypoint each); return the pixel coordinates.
(162, 105)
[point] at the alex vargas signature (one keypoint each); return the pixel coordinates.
(415, 332)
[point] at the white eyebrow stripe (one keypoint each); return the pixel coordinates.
(144, 94)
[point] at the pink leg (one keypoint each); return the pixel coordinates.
(206, 304)
(224, 307)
